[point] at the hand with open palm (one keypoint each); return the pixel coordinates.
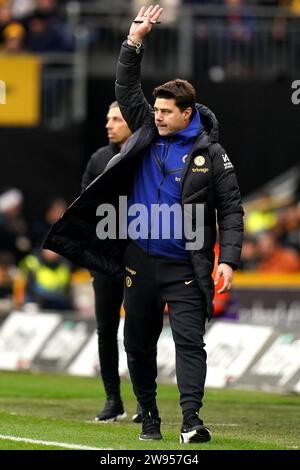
(138, 31)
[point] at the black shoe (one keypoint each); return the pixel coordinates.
(151, 427)
(193, 430)
(112, 411)
(137, 417)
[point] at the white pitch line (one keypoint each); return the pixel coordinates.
(224, 424)
(50, 443)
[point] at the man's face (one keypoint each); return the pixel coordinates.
(168, 117)
(117, 129)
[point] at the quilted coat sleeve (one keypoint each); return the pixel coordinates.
(229, 208)
(132, 102)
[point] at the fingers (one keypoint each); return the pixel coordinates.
(226, 285)
(154, 12)
(156, 15)
(227, 279)
(217, 278)
(142, 11)
(151, 14)
(149, 9)
(144, 14)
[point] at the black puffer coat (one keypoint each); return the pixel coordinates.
(74, 235)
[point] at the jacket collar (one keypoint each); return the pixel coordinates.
(210, 127)
(209, 121)
(192, 130)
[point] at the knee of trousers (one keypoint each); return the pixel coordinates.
(139, 348)
(107, 332)
(191, 344)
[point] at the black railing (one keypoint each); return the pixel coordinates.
(217, 41)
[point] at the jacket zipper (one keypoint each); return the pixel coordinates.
(162, 166)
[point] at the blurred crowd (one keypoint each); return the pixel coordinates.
(272, 234)
(30, 274)
(40, 26)
(35, 26)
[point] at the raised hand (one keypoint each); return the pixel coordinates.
(138, 31)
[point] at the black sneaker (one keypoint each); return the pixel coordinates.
(137, 417)
(151, 427)
(112, 411)
(193, 430)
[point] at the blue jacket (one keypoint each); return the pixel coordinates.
(157, 181)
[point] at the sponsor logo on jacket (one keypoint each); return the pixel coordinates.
(199, 161)
(200, 170)
(227, 162)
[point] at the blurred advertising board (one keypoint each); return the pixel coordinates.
(267, 299)
(231, 348)
(239, 355)
(21, 337)
(20, 90)
(277, 366)
(63, 345)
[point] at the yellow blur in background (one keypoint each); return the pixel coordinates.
(21, 76)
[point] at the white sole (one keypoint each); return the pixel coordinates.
(193, 436)
(112, 420)
(134, 417)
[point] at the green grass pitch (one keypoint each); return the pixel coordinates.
(60, 409)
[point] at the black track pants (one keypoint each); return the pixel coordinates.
(150, 282)
(108, 299)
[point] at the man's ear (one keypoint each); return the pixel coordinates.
(187, 113)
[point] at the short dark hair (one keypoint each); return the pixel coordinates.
(114, 104)
(180, 90)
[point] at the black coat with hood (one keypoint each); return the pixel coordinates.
(213, 184)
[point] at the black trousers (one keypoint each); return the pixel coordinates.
(108, 300)
(150, 282)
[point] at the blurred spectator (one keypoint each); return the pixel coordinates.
(48, 280)
(260, 220)
(6, 274)
(241, 26)
(5, 12)
(39, 229)
(14, 238)
(240, 31)
(261, 214)
(275, 258)
(48, 33)
(22, 8)
(294, 6)
(13, 38)
(5, 16)
(282, 22)
(287, 228)
(47, 6)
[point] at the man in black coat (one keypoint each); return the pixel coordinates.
(172, 161)
(108, 290)
(182, 164)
